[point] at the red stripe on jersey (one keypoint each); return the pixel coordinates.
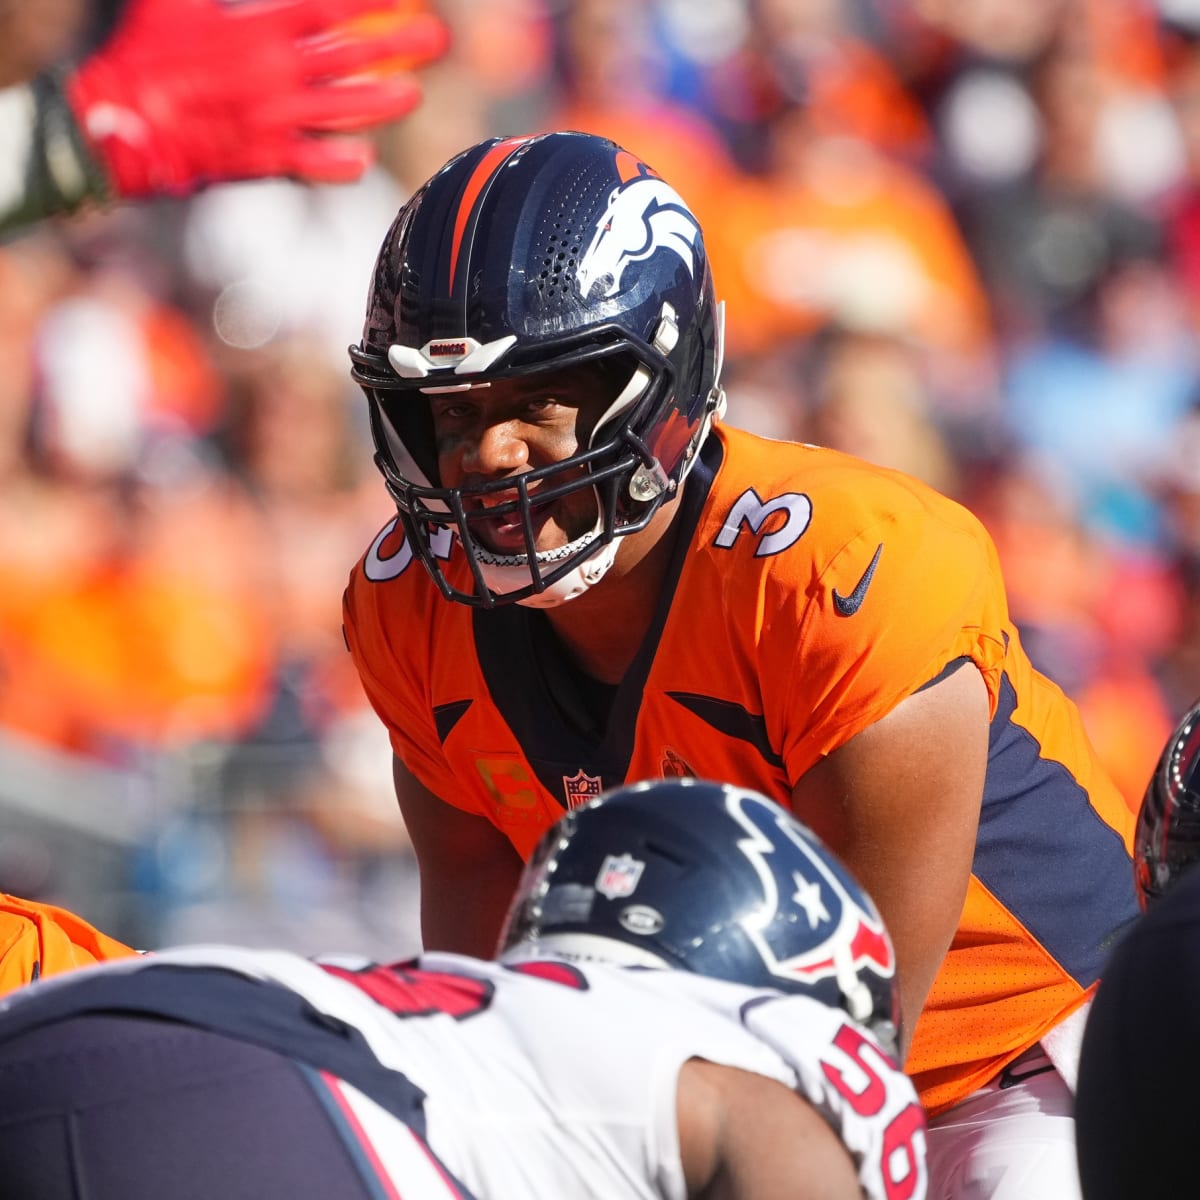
(383, 1175)
(364, 1142)
(487, 167)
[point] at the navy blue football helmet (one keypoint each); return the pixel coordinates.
(1167, 837)
(712, 879)
(527, 255)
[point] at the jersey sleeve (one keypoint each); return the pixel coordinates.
(848, 1077)
(913, 588)
(393, 691)
(38, 940)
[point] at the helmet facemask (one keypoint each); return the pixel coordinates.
(626, 477)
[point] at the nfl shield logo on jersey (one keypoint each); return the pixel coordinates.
(581, 788)
(619, 875)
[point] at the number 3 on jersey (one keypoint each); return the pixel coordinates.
(750, 511)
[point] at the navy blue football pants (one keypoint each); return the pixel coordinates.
(101, 1107)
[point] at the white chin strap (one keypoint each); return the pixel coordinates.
(510, 573)
(504, 573)
(855, 993)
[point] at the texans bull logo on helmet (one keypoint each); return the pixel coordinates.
(838, 923)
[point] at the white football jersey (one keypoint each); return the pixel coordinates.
(555, 1079)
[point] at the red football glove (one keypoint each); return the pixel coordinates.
(191, 92)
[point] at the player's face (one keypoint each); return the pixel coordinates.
(503, 429)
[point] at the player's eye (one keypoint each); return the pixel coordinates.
(452, 410)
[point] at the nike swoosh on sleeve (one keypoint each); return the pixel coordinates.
(847, 606)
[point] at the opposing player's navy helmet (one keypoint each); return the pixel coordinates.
(708, 878)
(1167, 837)
(522, 256)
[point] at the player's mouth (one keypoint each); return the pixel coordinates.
(504, 533)
(557, 520)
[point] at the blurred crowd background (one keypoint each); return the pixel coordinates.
(957, 237)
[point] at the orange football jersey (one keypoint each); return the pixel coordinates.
(37, 940)
(815, 592)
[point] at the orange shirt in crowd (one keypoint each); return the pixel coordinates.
(851, 237)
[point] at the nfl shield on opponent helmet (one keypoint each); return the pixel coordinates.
(1167, 838)
(708, 878)
(526, 255)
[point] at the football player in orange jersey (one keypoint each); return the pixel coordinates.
(592, 579)
(186, 93)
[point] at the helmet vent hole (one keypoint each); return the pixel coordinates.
(559, 258)
(561, 236)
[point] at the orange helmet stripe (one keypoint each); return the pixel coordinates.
(487, 167)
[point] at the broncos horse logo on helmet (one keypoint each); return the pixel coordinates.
(521, 257)
(713, 879)
(643, 216)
